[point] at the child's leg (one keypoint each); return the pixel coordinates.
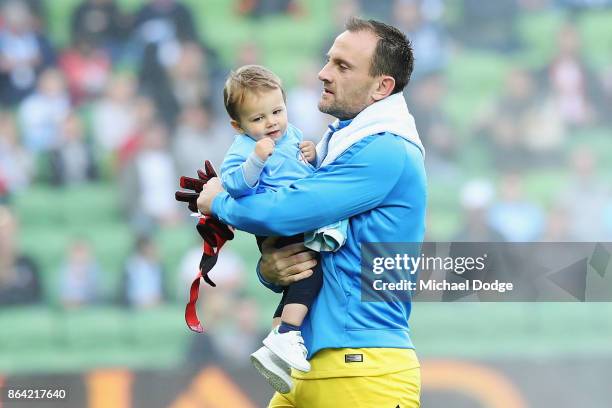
(298, 299)
(276, 320)
(285, 341)
(294, 314)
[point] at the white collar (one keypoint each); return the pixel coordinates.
(388, 115)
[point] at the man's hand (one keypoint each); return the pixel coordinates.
(208, 194)
(309, 151)
(283, 266)
(264, 148)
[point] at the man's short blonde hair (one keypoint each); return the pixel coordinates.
(248, 78)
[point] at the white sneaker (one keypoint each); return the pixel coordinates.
(275, 370)
(289, 347)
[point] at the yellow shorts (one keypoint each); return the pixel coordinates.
(356, 378)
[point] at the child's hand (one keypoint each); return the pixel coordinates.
(264, 148)
(309, 151)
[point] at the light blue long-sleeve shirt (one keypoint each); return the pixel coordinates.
(378, 184)
(282, 168)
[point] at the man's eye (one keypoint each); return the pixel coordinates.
(257, 119)
(343, 67)
(276, 112)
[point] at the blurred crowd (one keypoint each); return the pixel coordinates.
(134, 100)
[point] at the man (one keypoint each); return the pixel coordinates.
(370, 172)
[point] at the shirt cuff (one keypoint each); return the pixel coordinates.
(217, 204)
(271, 286)
(252, 168)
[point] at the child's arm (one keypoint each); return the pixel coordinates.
(240, 176)
(309, 151)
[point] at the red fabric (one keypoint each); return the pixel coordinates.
(214, 233)
(209, 259)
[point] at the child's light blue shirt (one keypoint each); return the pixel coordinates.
(285, 166)
(282, 168)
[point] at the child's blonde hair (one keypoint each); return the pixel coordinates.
(248, 78)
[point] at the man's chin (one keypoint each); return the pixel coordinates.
(325, 108)
(335, 112)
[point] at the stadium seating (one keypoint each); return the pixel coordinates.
(71, 340)
(102, 336)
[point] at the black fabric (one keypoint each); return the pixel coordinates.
(281, 241)
(302, 292)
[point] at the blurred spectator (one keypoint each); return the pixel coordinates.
(584, 4)
(102, 22)
(302, 102)
(541, 130)
(16, 163)
(557, 226)
(249, 53)
(382, 10)
(143, 113)
(606, 81)
(189, 75)
(86, 69)
(522, 127)
(341, 11)
(428, 37)
(262, 8)
(226, 313)
(19, 275)
(490, 24)
(164, 21)
(514, 216)
(113, 118)
(42, 113)
(24, 53)
(434, 127)
(143, 280)
(179, 79)
(4, 189)
(149, 183)
(586, 197)
(607, 221)
(476, 197)
(503, 137)
(79, 276)
(530, 6)
(228, 273)
(196, 140)
(38, 12)
(72, 162)
(571, 83)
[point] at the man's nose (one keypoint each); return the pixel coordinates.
(271, 121)
(324, 74)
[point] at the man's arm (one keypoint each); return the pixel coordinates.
(356, 182)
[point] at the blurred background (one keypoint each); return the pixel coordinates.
(104, 103)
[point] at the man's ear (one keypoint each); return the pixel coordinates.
(386, 85)
(236, 126)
